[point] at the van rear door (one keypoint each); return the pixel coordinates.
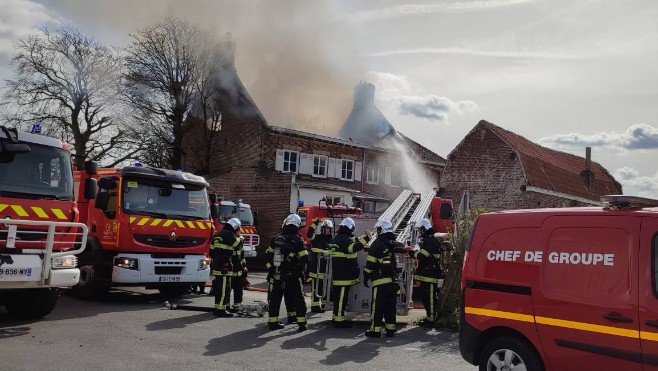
(648, 280)
(586, 307)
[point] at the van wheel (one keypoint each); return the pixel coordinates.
(509, 354)
(31, 304)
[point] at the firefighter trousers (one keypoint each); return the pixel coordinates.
(340, 295)
(429, 295)
(291, 289)
(237, 284)
(290, 307)
(317, 292)
(382, 311)
(222, 289)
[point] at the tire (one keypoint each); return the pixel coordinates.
(511, 352)
(174, 291)
(89, 287)
(31, 304)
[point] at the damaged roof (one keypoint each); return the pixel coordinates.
(555, 170)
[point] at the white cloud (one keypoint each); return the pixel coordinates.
(19, 18)
(398, 92)
(480, 53)
(635, 184)
(436, 7)
(636, 137)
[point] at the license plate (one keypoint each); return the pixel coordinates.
(169, 278)
(20, 268)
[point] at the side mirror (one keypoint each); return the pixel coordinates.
(91, 167)
(214, 211)
(91, 188)
(102, 200)
(16, 148)
(107, 183)
(255, 218)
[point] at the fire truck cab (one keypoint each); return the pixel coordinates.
(249, 220)
(148, 227)
(563, 289)
(39, 233)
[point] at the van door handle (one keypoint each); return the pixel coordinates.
(617, 317)
(652, 323)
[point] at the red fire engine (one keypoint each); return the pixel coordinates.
(148, 227)
(39, 233)
(248, 218)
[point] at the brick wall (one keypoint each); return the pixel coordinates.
(486, 166)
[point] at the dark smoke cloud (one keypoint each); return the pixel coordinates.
(636, 137)
(295, 57)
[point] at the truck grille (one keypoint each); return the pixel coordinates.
(251, 239)
(168, 270)
(164, 241)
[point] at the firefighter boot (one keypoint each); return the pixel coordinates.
(373, 334)
(275, 326)
(390, 333)
(302, 327)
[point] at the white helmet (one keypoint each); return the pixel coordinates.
(349, 223)
(327, 224)
(424, 225)
(384, 226)
(234, 223)
(292, 219)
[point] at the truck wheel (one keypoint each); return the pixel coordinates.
(509, 353)
(88, 287)
(174, 291)
(31, 304)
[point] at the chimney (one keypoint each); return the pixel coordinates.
(589, 175)
(227, 47)
(364, 95)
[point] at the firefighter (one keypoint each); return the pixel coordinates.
(429, 271)
(344, 268)
(224, 245)
(320, 245)
(238, 278)
(286, 261)
(380, 272)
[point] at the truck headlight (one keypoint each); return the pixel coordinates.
(64, 262)
(204, 264)
(127, 263)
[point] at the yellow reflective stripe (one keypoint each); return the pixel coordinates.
(363, 241)
(601, 329)
(132, 219)
(426, 279)
(344, 282)
(382, 281)
(18, 209)
(179, 223)
(201, 225)
(318, 250)
(167, 223)
(343, 255)
(156, 222)
(39, 211)
(269, 249)
(389, 326)
(350, 248)
(3, 206)
(59, 214)
(191, 224)
(645, 335)
(143, 221)
(367, 270)
(424, 252)
(268, 265)
(372, 259)
(302, 253)
(237, 242)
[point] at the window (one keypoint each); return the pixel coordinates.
(290, 161)
(334, 200)
(372, 174)
(347, 170)
(320, 166)
(396, 180)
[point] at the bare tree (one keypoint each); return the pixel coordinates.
(163, 67)
(70, 83)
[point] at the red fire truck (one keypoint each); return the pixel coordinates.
(147, 227)
(249, 220)
(39, 233)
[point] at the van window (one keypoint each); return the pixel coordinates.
(591, 264)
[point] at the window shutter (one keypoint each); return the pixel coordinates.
(357, 171)
(305, 163)
(278, 163)
(387, 175)
(339, 168)
(331, 168)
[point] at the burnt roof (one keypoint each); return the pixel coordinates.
(555, 170)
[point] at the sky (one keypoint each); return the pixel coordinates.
(566, 74)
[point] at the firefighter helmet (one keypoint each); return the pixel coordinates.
(234, 223)
(292, 219)
(384, 226)
(327, 224)
(348, 223)
(423, 225)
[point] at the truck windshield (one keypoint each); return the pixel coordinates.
(164, 199)
(44, 172)
(227, 212)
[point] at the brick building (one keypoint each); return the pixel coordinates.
(273, 168)
(503, 170)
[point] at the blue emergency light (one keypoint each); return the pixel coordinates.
(300, 203)
(137, 164)
(36, 129)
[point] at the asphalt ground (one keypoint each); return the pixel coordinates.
(129, 329)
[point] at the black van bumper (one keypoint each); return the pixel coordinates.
(468, 337)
